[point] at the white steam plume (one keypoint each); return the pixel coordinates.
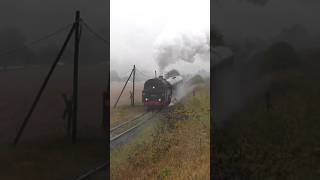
(185, 42)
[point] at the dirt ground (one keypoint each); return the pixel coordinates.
(44, 151)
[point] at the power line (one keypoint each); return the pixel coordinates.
(97, 35)
(142, 73)
(127, 73)
(5, 52)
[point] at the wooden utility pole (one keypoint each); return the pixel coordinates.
(43, 86)
(133, 78)
(75, 76)
(115, 105)
(155, 73)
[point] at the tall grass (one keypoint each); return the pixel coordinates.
(282, 143)
(178, 148)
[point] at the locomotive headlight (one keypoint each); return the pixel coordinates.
(146, 99)
(159, 100)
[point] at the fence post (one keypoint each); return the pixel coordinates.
(133, 78)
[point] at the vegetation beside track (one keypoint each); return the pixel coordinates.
(176, 147)
(56, 159)
(125, 112)
(282, 143)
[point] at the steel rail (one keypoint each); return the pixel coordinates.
(92, 171)
(132, 128)
(126, 122)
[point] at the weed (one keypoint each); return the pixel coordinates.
(179, 145)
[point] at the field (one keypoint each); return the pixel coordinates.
(116, 87)
(124, 110)
(177, 146)
(281, 142)
(44, 150)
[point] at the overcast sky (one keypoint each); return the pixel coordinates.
(239, 19)
(136, 26)
(36, 18)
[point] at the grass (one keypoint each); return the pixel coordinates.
(125, 112)
(53, 160)
(177, 147)
(283, 143)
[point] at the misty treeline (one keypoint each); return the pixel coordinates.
(15, 50)
(266, 107)
(115, 76)
(217, 36)
(255, 61)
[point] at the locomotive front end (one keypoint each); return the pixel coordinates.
(156, 93)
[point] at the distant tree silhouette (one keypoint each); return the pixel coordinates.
(297, 35)
(114, 76)
(280, 56)
(12, 39)
(197, 79)
(172, 72)
(217, 37)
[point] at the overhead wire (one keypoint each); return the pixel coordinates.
(26, 45)
(102, 39)
(97, 35)
(142, 73)
(127, 73)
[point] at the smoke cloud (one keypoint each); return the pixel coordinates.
(171, 47)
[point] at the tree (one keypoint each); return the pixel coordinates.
(197, 79)
(12, 44)
(217, 37)
(279, 56)
(172, 73)
(114, 76)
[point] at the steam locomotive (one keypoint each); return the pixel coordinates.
(159, 92)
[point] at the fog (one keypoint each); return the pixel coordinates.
(25, 21)
(250, 28)
(137, 28)
(37, 17)
(242, 18)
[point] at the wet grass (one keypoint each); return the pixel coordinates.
(57, 159)
(282, 143)
(177, 147)
(125, 112)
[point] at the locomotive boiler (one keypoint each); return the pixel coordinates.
(159, 92)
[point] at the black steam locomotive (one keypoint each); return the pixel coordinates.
(158, 92)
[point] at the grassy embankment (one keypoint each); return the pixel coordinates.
(176, 147)
(56, 159)
(282, 143)
(124, 112)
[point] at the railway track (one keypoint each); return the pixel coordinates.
(128, 126)
(115, 133)
(92, 172)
